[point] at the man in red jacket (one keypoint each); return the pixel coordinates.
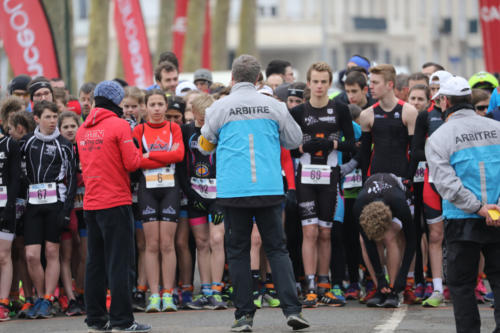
(107, 155)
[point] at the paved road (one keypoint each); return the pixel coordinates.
(353, 318)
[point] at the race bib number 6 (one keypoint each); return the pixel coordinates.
(315, 174)
(43, 193)
(161, 177)
(205, 187)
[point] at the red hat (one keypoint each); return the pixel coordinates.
(74, 106)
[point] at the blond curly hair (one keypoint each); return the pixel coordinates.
(375, 219)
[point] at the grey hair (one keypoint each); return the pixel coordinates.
(246, 68)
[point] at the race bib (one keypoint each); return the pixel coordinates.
(3, 196)
(161, 177)
(353, 179)
(20, 207)
(316, 174)
(79, 197)
(43, 193)
(205, 187)
(419, 174)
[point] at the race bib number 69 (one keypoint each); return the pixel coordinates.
(315, 174)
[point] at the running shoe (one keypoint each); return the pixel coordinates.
(339, 294)
(489, 297)
(215, 302)
(63, 302)
(353, 291)
(28, 304)
(297, 321)
(409, 296)
(271, 296)
(135, 327)
(186, 297)
(33, 311)
(368, 296)
(257, 299)
(4, 312)
(154, 304)
(227, 293)
(243, 324)
(167, 303)
(420, 291)
(45, 309)
(139, 301)
(376, 301)
(391, 300)
(73, 309)
(199, 302)
(81, 302)
(435, 300)
(479, 297)
(481, 287)
(429, 289)
(310, 300)
(99, 328)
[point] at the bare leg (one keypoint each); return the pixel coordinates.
(152, 235)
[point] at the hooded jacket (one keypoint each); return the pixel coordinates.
(107, 154)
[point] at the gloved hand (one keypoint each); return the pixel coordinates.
(291, 199)
(348, 167)
(317, 144)
(195, 200)
(63, 220)
(217, 213)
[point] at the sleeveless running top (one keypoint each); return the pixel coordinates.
(390, 141)
(199, 165)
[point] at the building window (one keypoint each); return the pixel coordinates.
(445, 28)
(473, 26)
(371, 23)
(83, 9)
(268, 8)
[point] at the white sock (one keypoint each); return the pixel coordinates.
(411, 274)
(438, 284)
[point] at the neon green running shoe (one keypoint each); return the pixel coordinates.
(167, 303)
(154, 303)
(435, 300)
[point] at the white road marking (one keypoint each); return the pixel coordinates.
(393, 322)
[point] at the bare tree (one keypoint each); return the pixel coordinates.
(219, 35)
(191, 54)
(165, 22)
(248, 27)
(60, 16)
(97, 48)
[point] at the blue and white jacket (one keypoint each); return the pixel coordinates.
(463, 156)
(248, 129)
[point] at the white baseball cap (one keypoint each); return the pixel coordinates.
(184, 87)
(439, 77)
(266, 90)
(454, 86)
